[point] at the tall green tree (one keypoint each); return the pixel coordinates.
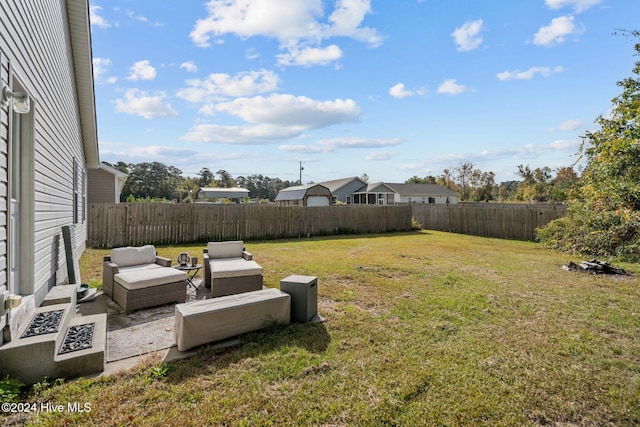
(604, 211)
(226, 181)
(206, 177)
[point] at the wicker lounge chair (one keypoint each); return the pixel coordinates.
(135, 278)
(229, 269)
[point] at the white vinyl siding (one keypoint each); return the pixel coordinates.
(36, 48)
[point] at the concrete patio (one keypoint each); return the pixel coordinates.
(143, 333)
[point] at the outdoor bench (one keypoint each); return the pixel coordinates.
(215, 319)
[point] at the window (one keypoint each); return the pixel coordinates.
(432, 199)
(84, 196)
(76, 191)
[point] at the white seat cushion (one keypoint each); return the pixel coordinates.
(233, 267)
(136, 279)
(139, 267)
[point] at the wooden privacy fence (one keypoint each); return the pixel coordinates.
(131, 224)
(502, 220)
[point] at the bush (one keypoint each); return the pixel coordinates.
(10, 389)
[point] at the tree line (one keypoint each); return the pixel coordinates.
(538, 185)
(155, 181)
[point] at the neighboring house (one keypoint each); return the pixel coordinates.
(356, 191)
(105, 184)
(423, 193)
(304, 195)
(45, 153)
(235, 194)
(343, 189)
(374, 194)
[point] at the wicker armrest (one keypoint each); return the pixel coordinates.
(247, 255)
(109, 269)
(207, 268)
(165, 262)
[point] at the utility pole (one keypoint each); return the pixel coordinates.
(301, 169)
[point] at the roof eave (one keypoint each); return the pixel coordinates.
(80, 32)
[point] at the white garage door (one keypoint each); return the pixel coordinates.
(318, 201)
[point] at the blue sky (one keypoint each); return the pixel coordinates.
(392, 89)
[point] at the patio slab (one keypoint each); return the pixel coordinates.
(141, 333)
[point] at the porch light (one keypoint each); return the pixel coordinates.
(18, 100)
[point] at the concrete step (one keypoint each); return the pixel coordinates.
(31, 355)
(83, 354)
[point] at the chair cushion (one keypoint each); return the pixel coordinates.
(141, 278)
(124, 257)
(234, 267)
(139, 267)
(220, 250)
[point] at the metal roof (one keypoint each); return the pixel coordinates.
(298, 192)
(222, 193)
(421, 190)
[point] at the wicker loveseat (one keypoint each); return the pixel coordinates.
(229, 269)
(135, 278)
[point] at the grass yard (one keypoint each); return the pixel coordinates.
(421, 328)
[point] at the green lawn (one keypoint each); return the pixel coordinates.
(421, 328)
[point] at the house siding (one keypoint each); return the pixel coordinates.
(347, 191)
(104, 186)
(35, 48)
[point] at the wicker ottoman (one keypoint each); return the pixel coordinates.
(137, 289)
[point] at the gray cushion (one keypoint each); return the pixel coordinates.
(141, 278)
(232, 249)
(124, 257)
(234, 267)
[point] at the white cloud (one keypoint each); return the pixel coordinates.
(562, 144)
(224, 85)
(557, 31)
(292, 111)
(298, 26)
(142, 70)
(310, 56)
(250, 135)
(578, 5)
(332, 144)
(568, 125)
(100, 66)
(119, 151)
(346, 19)
(133, 16)
(251, 54)
(380, 155)
(97, 20)
(273, 119)
(138, 102)
(528, 74)
(190, 66)
(527, 151)
(399, 91)
(450, 87)
(468, 37)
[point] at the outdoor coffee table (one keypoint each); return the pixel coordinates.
(191, 271)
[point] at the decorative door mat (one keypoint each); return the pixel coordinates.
(78, 337)
(47, 322)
